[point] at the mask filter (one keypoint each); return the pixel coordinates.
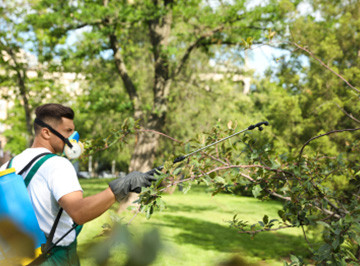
(77, 147)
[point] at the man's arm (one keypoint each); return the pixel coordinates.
(82, 210)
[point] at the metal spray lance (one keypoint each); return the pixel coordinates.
(181, 158)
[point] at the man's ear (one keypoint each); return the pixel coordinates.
(45, 133)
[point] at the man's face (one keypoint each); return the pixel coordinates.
(65, 128)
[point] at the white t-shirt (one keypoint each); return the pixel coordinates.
(55, 178)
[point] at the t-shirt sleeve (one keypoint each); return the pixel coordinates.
(3, 167)
(62, 177)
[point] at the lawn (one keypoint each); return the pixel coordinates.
(194, 230)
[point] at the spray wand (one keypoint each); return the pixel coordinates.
(183, 157)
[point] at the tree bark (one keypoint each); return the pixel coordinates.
(159, 29)
(21, 77)
(23, 93)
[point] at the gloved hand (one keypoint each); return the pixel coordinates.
(132, 182)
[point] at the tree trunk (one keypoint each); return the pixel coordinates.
(144, 153)
(21, 76)
(22, 87)
(145, 148)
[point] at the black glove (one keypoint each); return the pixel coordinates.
(132, 182)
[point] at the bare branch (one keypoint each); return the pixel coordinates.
(215, 159)
(134, 216)
(157, 132)
(194, 45)
(326, 211)
(339, 211)
(266, 229)
(279, 196)
(325, 134)
(347, 114)
(121, 68)
(326, 66)
(306, 239)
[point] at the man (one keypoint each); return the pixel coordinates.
(55, 184)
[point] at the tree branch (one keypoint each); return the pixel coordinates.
(325, 134)
(157, 132)
(194, 45)
(21, 81)
(215, 159)
(306, 239)
(326, 211)
(326, 66)
(123, 72)
(193, 177)
(347, 114)
(266, 230)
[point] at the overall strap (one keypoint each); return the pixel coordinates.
(29, 164)
(36, 167)
(32, 161)
(46, 247)
(78, 228)
(10, 163)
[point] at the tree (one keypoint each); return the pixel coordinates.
(22, 78)
(330, 42)
(160, 35)
(13, 60)
(310, 159)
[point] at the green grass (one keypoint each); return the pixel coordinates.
(194, 230)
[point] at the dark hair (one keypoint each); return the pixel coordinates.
(52, 113)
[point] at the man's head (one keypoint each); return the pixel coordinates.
(52, 114)
(58, 117)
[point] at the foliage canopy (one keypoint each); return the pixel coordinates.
(144, 59)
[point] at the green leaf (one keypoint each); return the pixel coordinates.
(234, 218)
(256, 191)
(325, 225)
(149, 211)
(295, 260)
(219, 179)
(177, 171)
(275, 165)
(159, 180)
(161, 204)
(281, 213)
(207, 180)
(266, 219)
(187, 148)
(335, 243)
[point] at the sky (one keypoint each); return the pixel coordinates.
(262, 57)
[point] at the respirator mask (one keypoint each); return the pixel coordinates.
(76, 149)
(73, 147)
